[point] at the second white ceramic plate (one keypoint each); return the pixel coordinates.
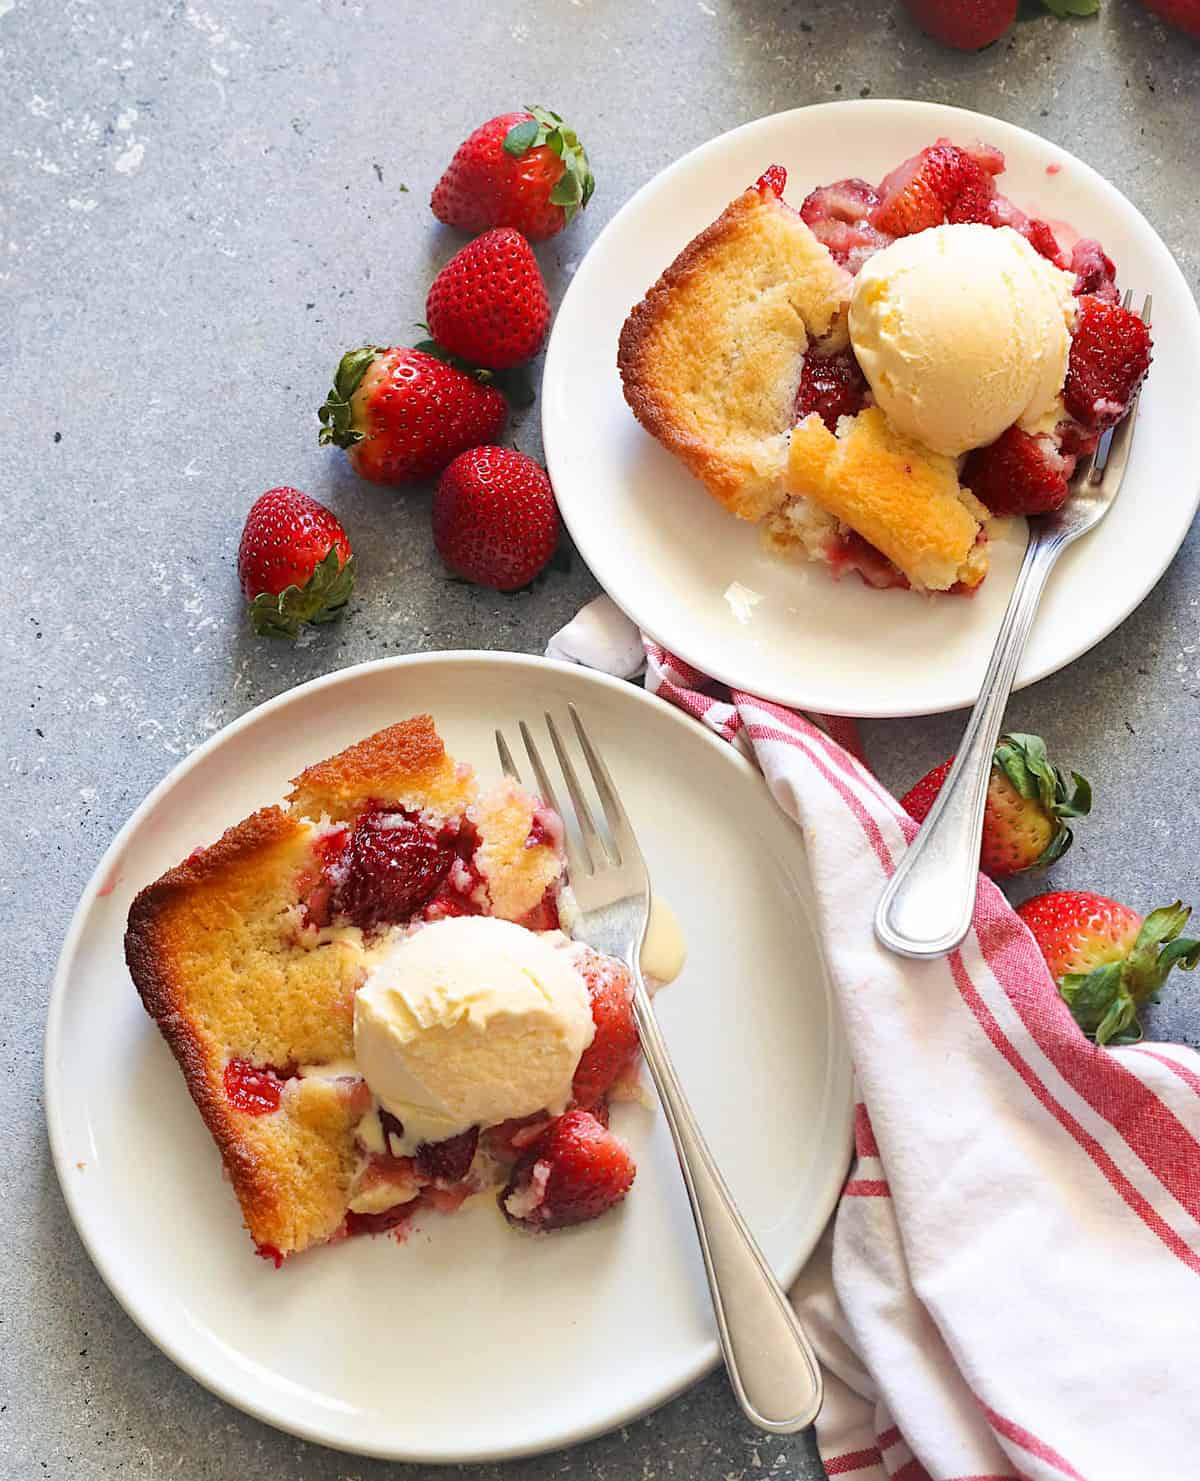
(470, 1342)
(696, 579)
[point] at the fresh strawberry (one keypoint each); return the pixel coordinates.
(1110, 355)
(402, 415)
(294, 563)
(930, 187)
(577, 1170)
(1183, 14)
(1028, 799)
(494, 518)
(970, 24)
(774, 179)
(614, 1046)
(489, 303)
(391, 864)
(966, 25)
(831, 385)
(1106, 959)
(526, 170)
(1094, 270)
(1019, 474)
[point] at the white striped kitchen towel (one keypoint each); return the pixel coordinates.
(1010, 1286)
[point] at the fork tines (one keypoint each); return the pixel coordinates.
(597, 849)
(1113, 451)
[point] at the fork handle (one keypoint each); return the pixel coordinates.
(771, 1365)
(926, 909)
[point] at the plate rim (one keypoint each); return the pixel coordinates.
(176, 1351)
(552, 430)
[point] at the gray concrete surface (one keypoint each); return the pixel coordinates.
(204, 203)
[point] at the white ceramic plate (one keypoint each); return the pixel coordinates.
(469, 1342)
(695, 577)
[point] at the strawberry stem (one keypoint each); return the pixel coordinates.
(1105, 1001)
(321, 599)
(337, 419)
(573, 189)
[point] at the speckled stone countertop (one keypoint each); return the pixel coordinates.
(204, 204)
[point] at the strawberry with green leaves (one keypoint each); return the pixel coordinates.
(294, 562)
(526, 169)
(1028, 802)
(1107, 960)
(402, 414)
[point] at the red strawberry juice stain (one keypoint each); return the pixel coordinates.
(254, 1089)
(269, 1252)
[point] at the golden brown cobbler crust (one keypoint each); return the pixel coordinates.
(710, 359)
(215, 950)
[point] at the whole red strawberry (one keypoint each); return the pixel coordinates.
(964, 24)
(1028, 800)
(615, 1044)
(1110, 355)
(1185, 14)
(970, 24)
(402, 415)
(1106, 959)
(390, 865)
(1019, 474)
(494, 518)
(525, 169)
(576, 1170)
(489, 303)
(294, 562)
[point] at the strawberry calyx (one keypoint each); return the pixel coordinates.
(1064, 9)
(1023, 760)
(573, 189)
(1105, 1001)
(320, 599)
(337, 418)
(514, 384)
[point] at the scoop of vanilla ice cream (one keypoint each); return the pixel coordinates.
(962, 331)
(470, 1021)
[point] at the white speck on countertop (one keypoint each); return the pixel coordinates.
(130, 159)
(126, 119)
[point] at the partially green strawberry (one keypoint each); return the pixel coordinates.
(1106, 959)
(294, 562)
(489, 304)
(402, 414)
(1028, 802)
(525, 169)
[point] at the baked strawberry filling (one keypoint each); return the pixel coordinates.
(1022, 472)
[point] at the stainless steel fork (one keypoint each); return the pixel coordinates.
(926, 909)
(771, 1365)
